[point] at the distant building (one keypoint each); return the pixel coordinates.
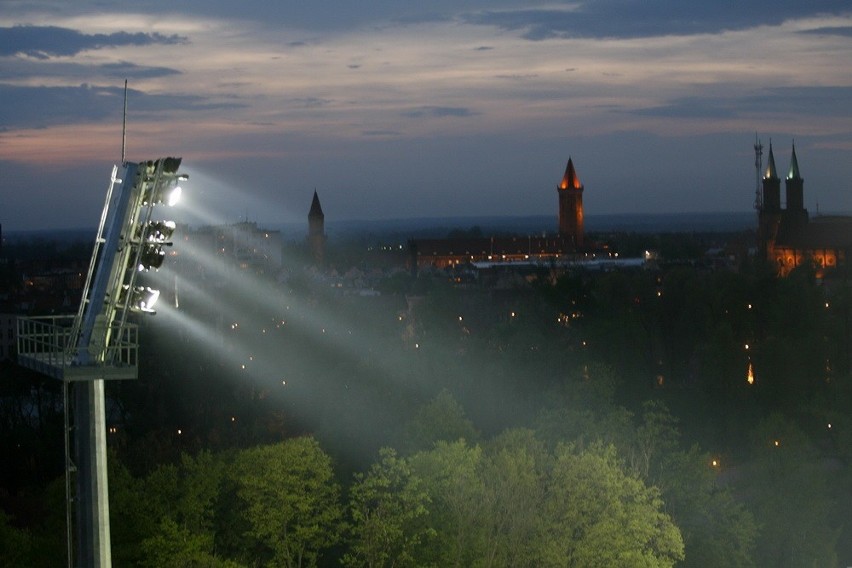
(238, 247)
(571, 206)
(316, 232)
(568, 244)
(788, 237)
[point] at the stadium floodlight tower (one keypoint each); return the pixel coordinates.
(100, 342)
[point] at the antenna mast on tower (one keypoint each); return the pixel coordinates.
(124, 126)
(758, 166)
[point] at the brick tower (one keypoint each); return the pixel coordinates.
(571, 206)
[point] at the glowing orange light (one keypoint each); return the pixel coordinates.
(750, 375)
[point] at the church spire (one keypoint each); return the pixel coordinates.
(570, 179)
(793, 172)
(316, 231)
(770, 168)
(316, 208)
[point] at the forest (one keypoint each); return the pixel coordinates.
(677, 416)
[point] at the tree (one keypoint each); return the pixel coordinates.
(388, 508)
(441, 419)
(717, 530)
(174, 546)
(15, 544)
(513, 473)
(790, 492)
(289, 501)
(451, 476)
(598, 515)
(655, 437)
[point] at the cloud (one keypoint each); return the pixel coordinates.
(843, 31)
(693, 107)
(789, 101)
(129, 70)
(517, 76)
(415, 19)
(380, 133)
(18, 69)
(44, 42)
(437, 112)
(41, 107)
(649, 18)
(311, 102)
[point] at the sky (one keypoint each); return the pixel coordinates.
(395, 110)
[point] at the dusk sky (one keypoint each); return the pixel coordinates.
(422, 109)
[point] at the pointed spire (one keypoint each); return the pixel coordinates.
(770, 168)
(793, 172)
(570, 179)
(316, 208)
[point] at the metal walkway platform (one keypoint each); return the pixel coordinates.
(44, 345)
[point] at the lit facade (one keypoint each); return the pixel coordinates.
(570, 192)
(788, 237)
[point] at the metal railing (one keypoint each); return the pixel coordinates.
(45, 345)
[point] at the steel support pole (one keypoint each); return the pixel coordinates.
(93, 536)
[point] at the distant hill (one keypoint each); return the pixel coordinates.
(69, 236)
(436, 227)
(439, 227)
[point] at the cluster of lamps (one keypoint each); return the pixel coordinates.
(160, 185)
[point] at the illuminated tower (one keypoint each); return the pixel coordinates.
(795, 213)
(769, 214)
(795, 185)
(571, 206)
(771, 186)
(316, 231)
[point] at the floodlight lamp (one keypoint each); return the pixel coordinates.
(148, 298)
(157, 232)
(141, 299)
(167, 192)
(152, 257)
(170, 165)
(174, 196)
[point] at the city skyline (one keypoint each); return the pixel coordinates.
(392, 110)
